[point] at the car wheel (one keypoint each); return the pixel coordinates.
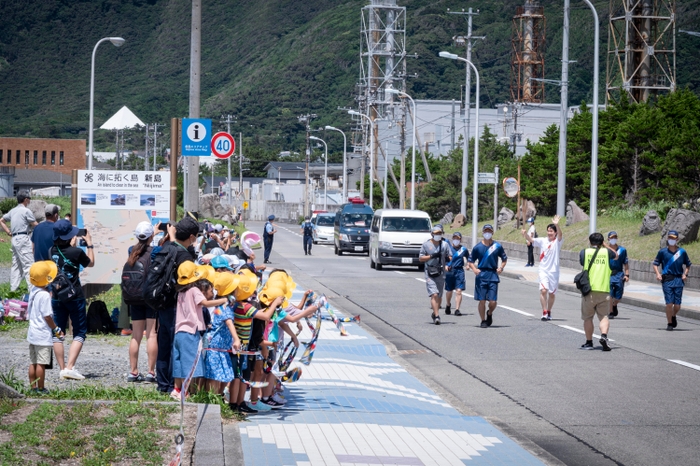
(315, 242)
(371, 262)
(340, 252)
(421, 267)
(378, 266)
(335, 249)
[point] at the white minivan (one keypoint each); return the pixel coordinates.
(396, 236)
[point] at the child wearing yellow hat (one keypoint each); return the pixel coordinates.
(42, 328)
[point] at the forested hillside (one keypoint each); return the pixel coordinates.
(265, 62)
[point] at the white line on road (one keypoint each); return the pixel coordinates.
(420, 280)
(686, 364)
(577, 330)
(400, 273)
(468, 295)
(516, 310)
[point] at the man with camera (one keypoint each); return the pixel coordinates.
(435, 255)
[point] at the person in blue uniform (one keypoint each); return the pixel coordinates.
(668, 267)
(307, 229)
(454, 278)
(268, 238)
(484, 263)
(620, 273)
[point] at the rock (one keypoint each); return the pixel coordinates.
(530, 212)
(505, 216)
(210, 207)
(446, 219)
(37, 206)
(650, 224)
(9, 392)
(226, 218)
(574, 214)
(458, 222)
(685, 222)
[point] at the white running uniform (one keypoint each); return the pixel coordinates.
(549, 263)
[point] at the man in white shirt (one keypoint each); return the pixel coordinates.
(550, 248)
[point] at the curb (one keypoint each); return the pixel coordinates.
(209, 440)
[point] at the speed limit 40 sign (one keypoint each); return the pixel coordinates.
(222, 145)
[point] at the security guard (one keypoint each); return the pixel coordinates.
(20, 218)
(598, 300)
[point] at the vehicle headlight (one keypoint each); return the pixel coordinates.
(344, 237)
(385, 245)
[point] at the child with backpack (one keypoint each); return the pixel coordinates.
(42, 328)
(195, 292)
(222, 336)
(143, 317)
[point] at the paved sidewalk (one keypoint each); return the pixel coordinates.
(642, 294)
(353, 405)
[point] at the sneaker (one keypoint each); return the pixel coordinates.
(448, 309)
(150, 378)
(457, 313)
(544, 316)
(587, 346)
(437, 320)
(258, 406)
(138, 377)
(484, 324)
(433, 316)
(674, 322)
(71, 374)
(613, 314)
(234, 408)
(279, 398)
(176, 394)
(245, 408)
(126, 332)
(604, 342)
(40, 391)
(669, 327)
(271, 403)
(549, 315)
(489, 319)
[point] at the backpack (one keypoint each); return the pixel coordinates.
(159, 290)
(98, 318)
(61, 288)
(134, 279)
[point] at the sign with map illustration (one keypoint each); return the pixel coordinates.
(110, 205)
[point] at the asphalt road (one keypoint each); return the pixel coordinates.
(630, 406)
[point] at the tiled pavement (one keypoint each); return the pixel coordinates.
(353, 405)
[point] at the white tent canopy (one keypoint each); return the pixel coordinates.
(123, 119)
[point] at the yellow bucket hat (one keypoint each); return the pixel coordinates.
(187, 273)
(225, 283)
(42, 273)
(246, 286)
(206, 272)
(279, 283)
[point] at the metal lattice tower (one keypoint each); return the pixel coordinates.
(528, 42)
(641, 49)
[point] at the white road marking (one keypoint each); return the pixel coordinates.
(360, 258)
(686, 364)
(577, 330)
(467, 295)
(400, 273)
(420, 280)
(516, 310)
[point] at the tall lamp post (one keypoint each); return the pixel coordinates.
(371, 154)
(475, 178)
(118, 42)
(325, 173)
(413, 155)
(345, 161)
(594, 141)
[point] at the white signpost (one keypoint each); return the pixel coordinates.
(487, 178)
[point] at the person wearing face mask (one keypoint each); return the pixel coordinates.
(671, 259)
(486, 254)
(550, 248)
(435, 254)
(454, 278)
(620, 273)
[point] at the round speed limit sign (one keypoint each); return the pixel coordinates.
(222, 145)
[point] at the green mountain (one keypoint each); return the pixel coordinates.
(265, 62)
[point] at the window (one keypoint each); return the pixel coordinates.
(26, 157)
(17, 157)
(36, 157)
(60, 158)
(0, 155)
(43, 157)
(53, 157)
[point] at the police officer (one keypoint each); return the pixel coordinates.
(598, 300)
(620, 273)
(671, 259)
(307, 228)
(454, 278)
(268, 238)
(20, 218)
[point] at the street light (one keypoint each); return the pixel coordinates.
(594, 142)
(118, 42)
(325, 175)
(475, 179)
(371, 153)
(413, 155)
(345, 161)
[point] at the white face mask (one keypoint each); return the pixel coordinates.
(437, 237)
(672, 242)
(613, 241)
(488, 235)
(456, 242)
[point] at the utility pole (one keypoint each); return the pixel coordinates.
(192, 190)
(561, 178)
(145, 159)
(306, 120)
(155, 145)
(462, 40)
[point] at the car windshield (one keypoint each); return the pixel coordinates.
(357, 220)
(409, 224)
(325, 221)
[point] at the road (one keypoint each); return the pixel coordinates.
(630, 406)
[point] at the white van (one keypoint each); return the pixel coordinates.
(396, 236)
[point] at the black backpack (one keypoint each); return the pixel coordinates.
(159, 291)
(61, 288)
(134, 279)
(98, 318)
